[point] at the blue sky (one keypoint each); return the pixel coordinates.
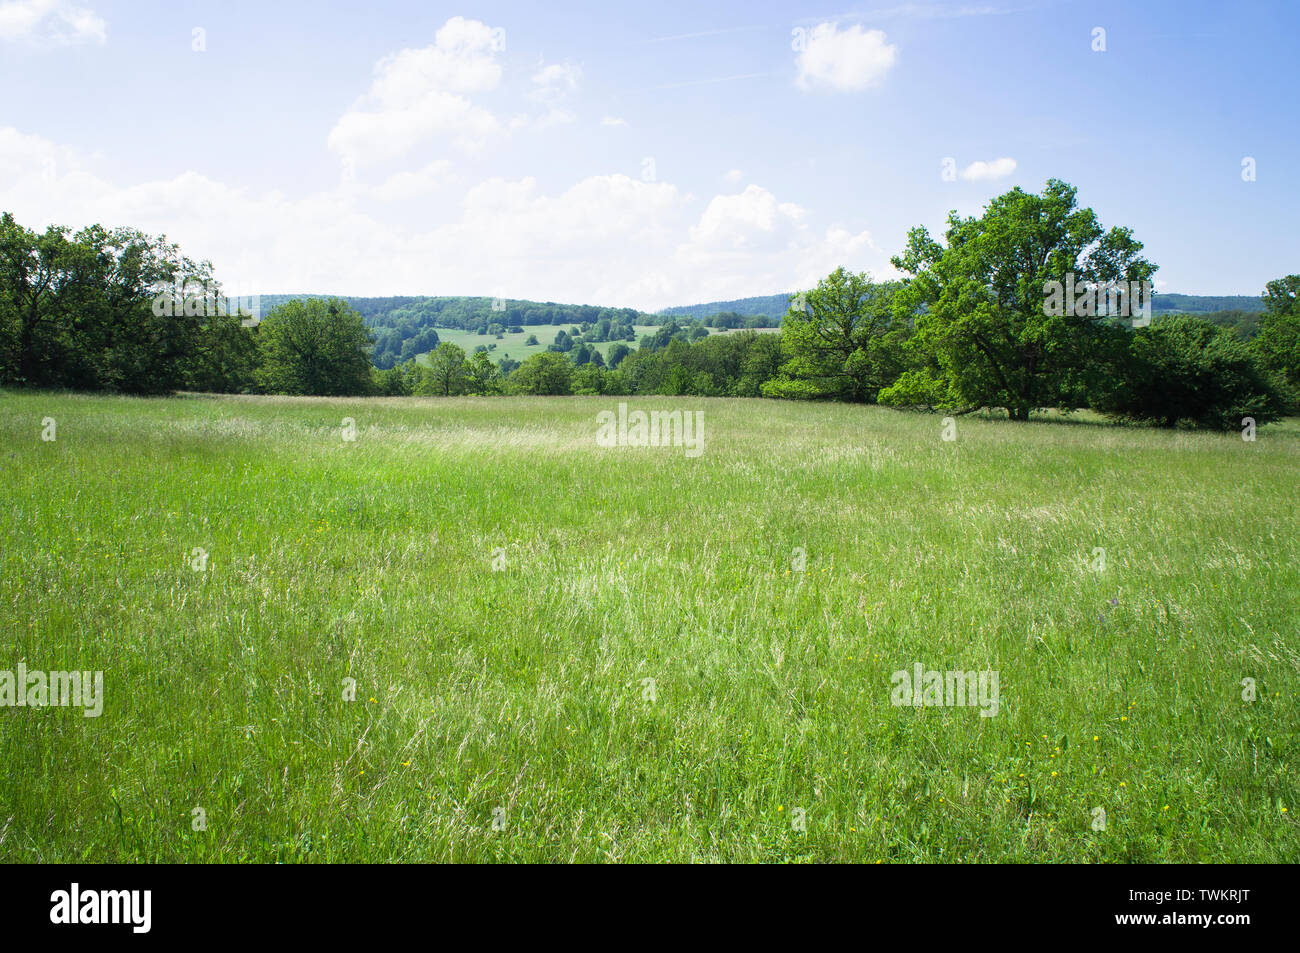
(644, 154)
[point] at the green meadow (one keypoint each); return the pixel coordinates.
(472, 634)
(512, 345)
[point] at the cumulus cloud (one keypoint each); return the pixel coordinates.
(748, 219)
(555, 81)
(552, 86)
(402, 186)
(50, 22)
(843, 60)
(989, 171)
(419, 94)
(607, 239)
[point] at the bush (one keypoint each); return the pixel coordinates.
(1184, 369)
(919, 390)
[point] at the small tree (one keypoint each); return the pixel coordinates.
(317, 346)
(448, 373)
(483, 376)
(545, 373)
(843, 343)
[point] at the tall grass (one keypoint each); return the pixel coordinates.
(611, 653)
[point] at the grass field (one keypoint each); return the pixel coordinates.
(512, 345)
(502, 707)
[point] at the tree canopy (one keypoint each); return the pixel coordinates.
(979, 300)
(319, 347)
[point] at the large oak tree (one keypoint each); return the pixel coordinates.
(979, 298)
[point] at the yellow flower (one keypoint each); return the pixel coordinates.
(1053, 774)
(780, 808)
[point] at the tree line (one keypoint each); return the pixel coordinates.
(969, 327)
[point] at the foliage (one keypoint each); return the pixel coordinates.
(546, 373)
(842, 341)
(1279, 332)
(316, 347)
(76, 311)
(448, 372)
(979, 300)
(1184, 369)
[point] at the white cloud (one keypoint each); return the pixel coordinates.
(418, 94)
(50, 22)
(612, 121)
(742, 221)
(750, 243)
(555, 80)
(401, 186)
(988, 171)
(552, 85)
(851, 59)
(733, 176)
(606, 239)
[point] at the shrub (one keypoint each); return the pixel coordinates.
(1184, 369)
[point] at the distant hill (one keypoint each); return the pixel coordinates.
(405, 326)
(464, 311)
(775, 306)
(1193, 304)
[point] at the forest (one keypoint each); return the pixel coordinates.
(966, 329)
